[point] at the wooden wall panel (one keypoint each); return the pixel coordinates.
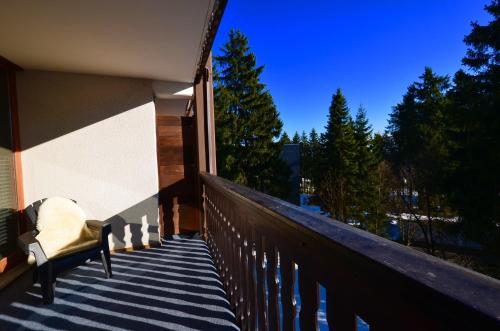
(177, 174)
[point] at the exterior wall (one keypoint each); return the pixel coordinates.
(92, 139)
(171, 107)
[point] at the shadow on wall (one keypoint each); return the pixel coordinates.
(52, 104)
(92, 138)
(136, 226)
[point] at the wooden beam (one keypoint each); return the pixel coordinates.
(201, 164)
(212, 154)
(213, 26)
(16, 133)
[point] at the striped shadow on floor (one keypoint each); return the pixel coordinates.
(173, 287)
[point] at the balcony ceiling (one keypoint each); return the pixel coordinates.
(152, 39)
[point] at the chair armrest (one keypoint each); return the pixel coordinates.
(95, 224)
(103, 228)
(29, 244)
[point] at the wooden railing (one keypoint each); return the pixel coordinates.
(255, 238)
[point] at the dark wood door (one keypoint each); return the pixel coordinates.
(176, 140)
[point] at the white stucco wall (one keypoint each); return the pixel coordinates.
(171, 107)
(92, 139)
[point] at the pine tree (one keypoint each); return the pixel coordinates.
(315, 158)
(285, 139)
(296, 138)
(402, 128)
(474, 134)
(338, 166)
(247, 122)
(303, 138)
(419, 148)
(366, 165)
(305, 156)
(385, 184)
(315, 145)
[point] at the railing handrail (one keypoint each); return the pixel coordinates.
(465, 294)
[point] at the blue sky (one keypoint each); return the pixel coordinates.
(371, 49)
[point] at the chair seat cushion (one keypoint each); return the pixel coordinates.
(69, 250)
(62, 228)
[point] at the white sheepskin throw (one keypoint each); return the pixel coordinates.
(61, 224)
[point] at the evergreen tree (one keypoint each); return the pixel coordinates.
(338, 166)
(285, 139)
(247, 122)
(385, 184)
(419, 148)
(364, 180)
(315, 145)
(315, 158)
(303, 138)
(305, 156)
(474, 134)
(296, 138)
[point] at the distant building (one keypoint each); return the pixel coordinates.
(291, 155)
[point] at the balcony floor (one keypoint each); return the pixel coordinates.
(173, 287)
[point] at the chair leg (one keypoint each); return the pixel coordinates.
(35, 276)
(106, 262)
(47, 282)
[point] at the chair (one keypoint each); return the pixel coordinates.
(63, 239)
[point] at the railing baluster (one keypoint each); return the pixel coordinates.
(252, 287)
(228, 239)
(261, 283)
(235, 264)
(287, 272)
(215, 228)
(339, 315)
(245, 281)
(223, 248)
(240, 265)
(309, 300)
(219, 239)
(204, 229)
(242, 284)
(211, 226)
(272, 286)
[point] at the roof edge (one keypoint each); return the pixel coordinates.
(213, 26)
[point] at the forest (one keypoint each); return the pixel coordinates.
(434, 171)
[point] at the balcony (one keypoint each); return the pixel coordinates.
(261, 257)
(173, 287)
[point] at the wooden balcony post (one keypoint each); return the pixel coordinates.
(261, 282)
(309, 300)
(272, 288)
(287, 271)
(339, 314)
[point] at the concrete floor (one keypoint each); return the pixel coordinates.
(173, 287)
